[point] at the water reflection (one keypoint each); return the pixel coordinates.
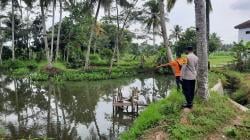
(73, 110)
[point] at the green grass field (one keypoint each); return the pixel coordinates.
(220, 58)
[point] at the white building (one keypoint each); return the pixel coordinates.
(244, 31)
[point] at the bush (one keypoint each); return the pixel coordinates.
(39, 76)
(20, 72)
(31, 65)
(74, 64)
(9, 64)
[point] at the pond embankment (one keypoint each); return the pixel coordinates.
(217, 118)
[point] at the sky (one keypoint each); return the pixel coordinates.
(225, 15)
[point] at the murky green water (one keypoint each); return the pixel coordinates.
(73, 110)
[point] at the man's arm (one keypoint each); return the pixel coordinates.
(163, 65)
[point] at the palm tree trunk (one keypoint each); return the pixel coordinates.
(116, 41)
(45, 38)
(91, 36)
(208, 19)
(164, 30)
(1, 51)
(118, 30)
(202, 77)
(59, 31)
(53, 32)
(1, 44)
(13, 30)
(154, 37)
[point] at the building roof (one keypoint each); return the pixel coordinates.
(243, 25)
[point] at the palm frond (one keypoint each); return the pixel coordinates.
(170, 4)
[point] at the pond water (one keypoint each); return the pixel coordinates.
(71, 110)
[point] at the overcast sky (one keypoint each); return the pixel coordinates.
(225, 15)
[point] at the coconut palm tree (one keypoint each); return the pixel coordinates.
(164, 30)
(152, 20)
(209, 8)
(202, 50)
(106, 4)
(176, 32)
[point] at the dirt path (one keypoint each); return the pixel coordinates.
(155, 134)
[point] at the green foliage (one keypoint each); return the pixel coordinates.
(39, 76)
(188, 38)
(20, 72)
(237, 87)
(241, 55)
(213, 77)
(96, 60)
(9, 64)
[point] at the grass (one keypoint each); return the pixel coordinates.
(220, 58)
(205, 117)
(58, 65)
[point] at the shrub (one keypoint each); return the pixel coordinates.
(39, 76)
(31, 65)
(9, 64)
(74, 64)
(20, 72)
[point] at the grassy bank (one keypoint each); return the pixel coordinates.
(37, 71)
(237, 85)
(206, 120)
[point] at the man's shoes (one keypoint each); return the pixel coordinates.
(187, 106)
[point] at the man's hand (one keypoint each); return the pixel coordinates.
(159, 66)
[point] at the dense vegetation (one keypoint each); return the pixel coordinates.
(106, 44)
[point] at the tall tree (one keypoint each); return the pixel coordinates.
(53, 30)
(120, 31)
(202, 51)
(1, 40)
(209, 8)
(59, 31)
(164, 30)
(13, 29)
(43, 4)
(152, 20)
(106, 3)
